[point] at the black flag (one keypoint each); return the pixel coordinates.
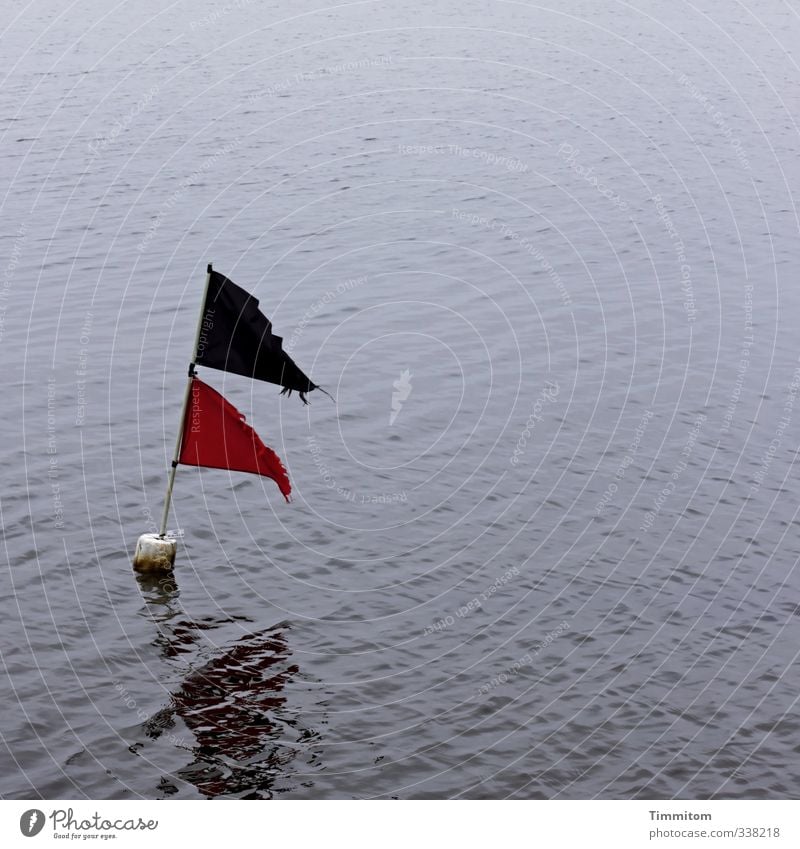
(237, 337)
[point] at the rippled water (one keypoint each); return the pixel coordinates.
(561, 561)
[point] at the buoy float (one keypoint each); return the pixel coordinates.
(154, 553)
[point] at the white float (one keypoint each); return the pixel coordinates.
(154, 553)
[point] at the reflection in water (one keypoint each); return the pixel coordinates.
(160, 592)
(246, 736)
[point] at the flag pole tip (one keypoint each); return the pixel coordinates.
(154, 553)
(209, 269)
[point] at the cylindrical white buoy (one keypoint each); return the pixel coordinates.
(154, 553)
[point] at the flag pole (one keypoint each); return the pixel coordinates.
(186, 396)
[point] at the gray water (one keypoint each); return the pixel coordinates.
(562, 562)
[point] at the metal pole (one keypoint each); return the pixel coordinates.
(186, 394)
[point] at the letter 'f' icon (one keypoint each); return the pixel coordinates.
(31, 822)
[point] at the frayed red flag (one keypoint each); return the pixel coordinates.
(216, 435)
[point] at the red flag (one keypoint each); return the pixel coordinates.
(215, 434)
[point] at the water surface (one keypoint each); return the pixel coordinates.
(561, 562)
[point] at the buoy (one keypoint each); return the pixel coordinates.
(154, 553)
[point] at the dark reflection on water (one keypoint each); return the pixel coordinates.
(246, 733)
